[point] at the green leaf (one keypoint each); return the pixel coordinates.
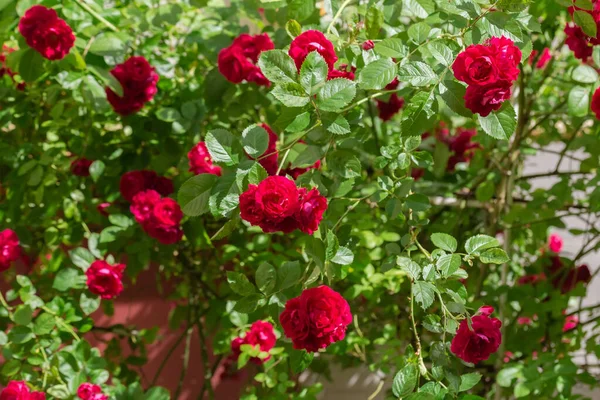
(506, 376)
(301, 9)
(521, 390)
(373, 21)
(476, 244)
(448, 264)
(417, 73)
(512, 5)
(288, 274)
(225, 196)
(300, 360)
(377, 75)
(453, 94)
(44, 324)
(278, 67)
(336, 94)
(107, 79)
(168, 114)
(444, 242)
(432, 323)
(66, 279)
(467, 381)
(586, 22)
(299, 124)
(89, 304)
(266, 278)
(500, 125)
(20, 334)
(248, 304)
(11, 368)
(424, 293)
(194, 194)
(420, 8)
(291, 94)
(417, 114)
(59, 392)
(405, 381)
(31, 65)
(157, 393)
(313, 72)
(307, 157)
(579, 101)
(391, 47)
(494, 256)
(419, 32)
(222, 146)
(96, 170)
(107, 44)
(336, 124)
(293, 28)
(410, 267)
(82, 258)
(22, 315)
(442, 53)
(343, 256)
(240, 284)
(418, 202)
(584, 74)
(255, 140)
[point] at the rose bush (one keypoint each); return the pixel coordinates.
(313, 184)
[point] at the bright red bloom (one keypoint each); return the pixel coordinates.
(18, 390)
(251, 210)
(87, 390)
(368, 45)
(81, 167)
(571, 323)
(387, 109)
(555, 243)
(312, 41)
(485, 99)
(578, 42)
(543, 60)
(532, 279)
(507, 55)
(163, 233)
(167, 212)
(10, 250)
(45, 32)
(524, 321)
(142, 205)
(261, 334)
(105, 279)
(133, 182)
(310, 213)
(269, 159)
(159, 217)
(138, 80)
(238, 61)
(201, 162)
(596, 103)
(459, 144)
(316, 318)
(343, 72)
(477, 345)
(497, 59)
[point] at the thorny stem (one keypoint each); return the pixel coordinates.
(422, 366)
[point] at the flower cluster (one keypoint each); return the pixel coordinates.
(489, 70)
(46, 33)
(477, 342)
(238, 61)
(387, 109)
(81, 167)
(138, 80)
(133, 182)
(9, 248)
(105, 279)
(18, 390)
(261, 334)
(316, 318)
(160, 217)
(276, 204)
(201, 162)
(89, 391)
(578, 42)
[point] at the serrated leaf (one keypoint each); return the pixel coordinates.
(288, 274)
(586, 22)
(194, 194)
(391, 47)
(313, 72)
(448, 264)
(500, 125)
(417, 114)
(373, 21)
(424, 293)
(240, 284)
(343, 256)
(579, 101)
(476, 244)
(584, 74)
(442, 53)
(494, 256)
(417, 73)
(336, 94)
(405, 381)
(291, 94)
(222, 146)
(278, 67)
(377, 75)
(444, 242)
(266, 278)
(255, 140)
(467, 381)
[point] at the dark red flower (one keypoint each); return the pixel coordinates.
(81, 167)
(343, 72)
(531, 279)
(105, 279)
(279, 197)
(238, 61)
(485, 99)
(142, 205)
(9, 248)
(368, 45)
(578, 42)
(133, 182)
(543, 60)
(477, 344)
(596, 103)
(250, 209)
(167, 212)
(461, 146)
(261, 334)
(316, 318)
(507, 55)
(312, 41)
(566, 278)
(387, 109)
(163, 233)
(87, 390)
(138, 80)
(201, 162)
(310, 213)
(18, 390)
(45, 32)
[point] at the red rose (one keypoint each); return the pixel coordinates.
(543, 60)
(368, 45)
(133, 182)
(163, 185)
(250, 209)
(4, 68)
(87, 390)
(238, 61)
(279, 198)
(476, 65)
(104, 279)
(261, 334)
(316, 319)
(532, 279)
(566, 278)
(201, 162)
(138, 80)
(45, 32)
(312, 41)
(269, 160)
(524, 321)
(461, 146)
(9, 248)
(142, 205)
(163, 233)
(98, 396)
(387, 109)
(507, 56)
(596, 103)
(167, 212)
(485, 99)
(343, 72)
(310, 213)
(555, 243)
(571, 323)
(578, 42)
(18, 390)
(81, 167)
(478, 344)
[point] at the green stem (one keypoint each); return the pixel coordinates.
(422, 367)
(337, 15)
(94, 14)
